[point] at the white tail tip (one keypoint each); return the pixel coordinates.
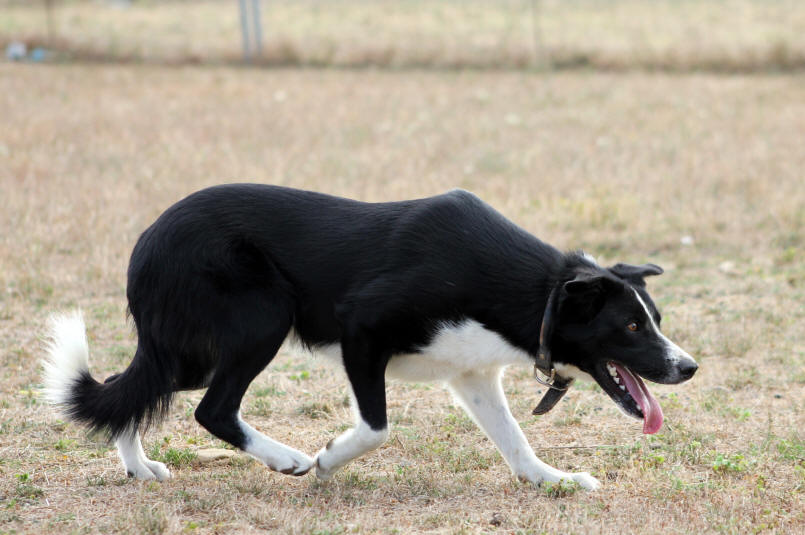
(67, 356)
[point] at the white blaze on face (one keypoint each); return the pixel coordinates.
(674, 354)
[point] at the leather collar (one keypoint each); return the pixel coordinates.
(557, 385)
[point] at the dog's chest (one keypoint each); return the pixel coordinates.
(456, 348)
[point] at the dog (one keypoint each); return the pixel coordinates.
(437, 289)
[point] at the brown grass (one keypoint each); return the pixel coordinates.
(668, 35)
(624, 166)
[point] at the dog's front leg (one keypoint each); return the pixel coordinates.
(366, 373)
(481, 395)
(348, 446)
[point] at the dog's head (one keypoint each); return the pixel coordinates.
(606, 326)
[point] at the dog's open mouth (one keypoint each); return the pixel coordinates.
(629, 391)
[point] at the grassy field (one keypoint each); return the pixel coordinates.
(671, 35)
(702, 174)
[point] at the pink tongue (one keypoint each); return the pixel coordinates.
(652, 412)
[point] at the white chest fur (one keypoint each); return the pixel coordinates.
(456, 348)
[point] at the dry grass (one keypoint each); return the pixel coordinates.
(623, 166)
(674, 35)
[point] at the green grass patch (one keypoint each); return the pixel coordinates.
(792, 449)
(304, 375)
(64, 444)
(734, 463)
(96, 481)
(175, 457)
(560, 489)
(26, 489)
(268, 391)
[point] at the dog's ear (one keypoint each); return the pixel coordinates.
(635, 274)
(584, 297)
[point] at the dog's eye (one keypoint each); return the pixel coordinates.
(633, 326)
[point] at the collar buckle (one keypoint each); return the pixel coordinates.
(551, 381)
(543, 364)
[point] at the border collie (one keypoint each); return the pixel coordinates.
(437, 289)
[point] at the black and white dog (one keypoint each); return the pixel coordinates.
(437, 289)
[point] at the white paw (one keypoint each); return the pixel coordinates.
(148, 471)
(142, 473)
(323, 469)
(159, 470)
(586, 480)
(293, 463)
(277, 456)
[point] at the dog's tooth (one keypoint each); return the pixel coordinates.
(622, 387)
(616, 379)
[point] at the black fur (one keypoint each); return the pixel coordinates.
(220, 279)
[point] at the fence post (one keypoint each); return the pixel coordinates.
(258, 28)
(255, 44)
(244, 29)
(540, 54)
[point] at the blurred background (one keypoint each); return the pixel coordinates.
(679, 35)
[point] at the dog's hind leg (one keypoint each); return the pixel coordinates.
(481, 395)
(241, 361)
(134, 460)
(130, 450)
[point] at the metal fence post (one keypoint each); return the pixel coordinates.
(258, 28)
(252, 41)
(244, 29)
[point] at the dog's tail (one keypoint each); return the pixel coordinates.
(118, 405)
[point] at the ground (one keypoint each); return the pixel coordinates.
(699, 173)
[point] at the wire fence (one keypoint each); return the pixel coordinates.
(724, 35)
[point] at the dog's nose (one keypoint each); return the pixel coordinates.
(687, 368)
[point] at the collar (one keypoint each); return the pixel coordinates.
(543, 361)
(557, 385)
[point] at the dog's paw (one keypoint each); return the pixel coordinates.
(586, 480)
(328, 463)
(148, 470)
(324, 470)
(159, 470)
(295, 463)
